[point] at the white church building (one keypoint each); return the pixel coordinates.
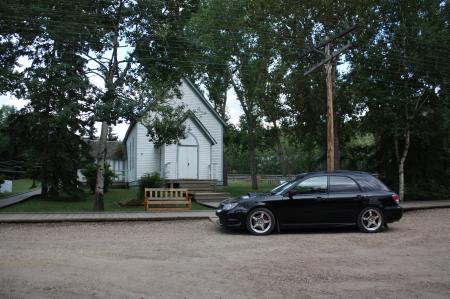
(198, 156)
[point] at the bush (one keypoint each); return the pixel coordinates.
(2, 179)
(69, 195)
(149, 180)
(90, 172)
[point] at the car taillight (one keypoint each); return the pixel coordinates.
(395, 198)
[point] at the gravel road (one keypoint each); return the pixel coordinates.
(196, 259)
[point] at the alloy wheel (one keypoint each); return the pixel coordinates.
(372, 220)
(260, 222)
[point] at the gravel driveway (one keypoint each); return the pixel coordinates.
(196, 259)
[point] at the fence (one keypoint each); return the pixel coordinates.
(272, 179)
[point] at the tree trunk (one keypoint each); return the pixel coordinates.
(44, 166)
(225, 173)
(401, 165)
(252, 159)
(44, 178)
(281, 152)
(337, 150)
(101, 155)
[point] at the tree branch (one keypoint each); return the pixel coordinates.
(97, 60)
(91, 71)
(397, 154)
(122, 76)
(406, 146)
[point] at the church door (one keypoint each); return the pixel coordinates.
(187, 162)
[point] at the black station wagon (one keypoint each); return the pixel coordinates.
(331, 198)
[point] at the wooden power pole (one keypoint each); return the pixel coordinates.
(328, 62)
(330, 113)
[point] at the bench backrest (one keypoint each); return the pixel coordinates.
(166, 194)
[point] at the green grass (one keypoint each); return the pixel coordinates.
(19, 186)
(110, 200)
(237, 188)
(23, 185)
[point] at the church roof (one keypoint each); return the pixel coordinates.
(204, 100)
(115, 150)
(208, 105)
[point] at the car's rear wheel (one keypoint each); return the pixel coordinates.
(260, 221)
(371, 220)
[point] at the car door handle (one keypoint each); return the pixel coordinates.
(320, 198)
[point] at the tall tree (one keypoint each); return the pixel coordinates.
(139, 58)
(135, 48)
(399, 78)
(53, 83)
(244, 34)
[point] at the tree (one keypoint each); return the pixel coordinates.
(135, 81)
(244, 35)
(399, 83)
(134, 47)
(111, 135)
(53, 84)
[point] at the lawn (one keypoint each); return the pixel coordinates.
(111, 199)
(19, 186)
(237, 188)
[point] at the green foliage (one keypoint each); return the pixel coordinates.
(2, 179)
(12, 158)
(395, 81)
(165, 125)
(90, 172)
(149, 180)
(300, 157)
(75, 194)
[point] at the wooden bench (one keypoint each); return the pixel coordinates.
(164, 199)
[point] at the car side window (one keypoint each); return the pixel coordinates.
(312, 185)
(343, 184)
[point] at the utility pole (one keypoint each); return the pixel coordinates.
(330, 113)
(328, 63)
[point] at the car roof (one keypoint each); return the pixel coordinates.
(342, 172)
(367, 181)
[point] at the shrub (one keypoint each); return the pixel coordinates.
(90, 172)
(69, 195)
(149, 180)
(2, 179)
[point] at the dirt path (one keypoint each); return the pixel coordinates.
(195, 259)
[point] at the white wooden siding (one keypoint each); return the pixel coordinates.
(170, 156)
(148, 155)
(143, 157)
(213, 125)
(131, 154)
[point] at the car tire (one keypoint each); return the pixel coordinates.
(260, 221)
(371, 220)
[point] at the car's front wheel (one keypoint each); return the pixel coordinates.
(371, 220)
(260, 221)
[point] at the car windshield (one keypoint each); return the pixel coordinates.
(284, 186)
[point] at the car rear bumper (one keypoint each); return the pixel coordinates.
(392, 214)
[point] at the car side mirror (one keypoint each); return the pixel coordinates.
(290, 193)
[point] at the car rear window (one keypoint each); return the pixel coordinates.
(371, 183)
(343, 184)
